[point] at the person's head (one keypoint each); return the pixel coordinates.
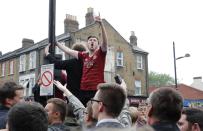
(191, 120)
(27, 116)
(108, 100)
(165, 104)
(134, 113)
(92, 43)
(56, 110)
(88, 119)
(79, 47)
(10, 94)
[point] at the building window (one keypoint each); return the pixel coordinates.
(32, 60)
(3, 69)
(22, 63)
(109, 69)
(119, 58)
(28, 82)
(139, 62)
(60, 52)
(137, 87)
(11, 67)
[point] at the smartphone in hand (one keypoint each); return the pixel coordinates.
(118, 79)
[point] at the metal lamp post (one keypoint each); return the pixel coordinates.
(174, 57)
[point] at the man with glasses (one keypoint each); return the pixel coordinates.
(110, 97)
(107, 104)
(10, 94)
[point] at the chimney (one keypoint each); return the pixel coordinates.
(197, 83)
(70, 24)
(27, 42)
(197, 79)
(133, 39)
(89, 16)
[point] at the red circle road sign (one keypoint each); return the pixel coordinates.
(46, 78)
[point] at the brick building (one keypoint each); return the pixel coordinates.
(123, 57)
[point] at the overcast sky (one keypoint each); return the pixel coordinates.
(157, 23)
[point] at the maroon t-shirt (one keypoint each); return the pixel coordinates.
(93, 69)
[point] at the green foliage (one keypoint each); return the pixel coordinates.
(156, 79)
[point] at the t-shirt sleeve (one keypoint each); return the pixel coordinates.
(82, 55)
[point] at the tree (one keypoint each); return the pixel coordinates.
(157, 79)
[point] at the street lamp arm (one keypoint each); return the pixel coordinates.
(180, 57)
(186, 55)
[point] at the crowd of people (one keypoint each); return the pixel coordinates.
(90, 103)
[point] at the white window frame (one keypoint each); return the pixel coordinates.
(139, 62)
(32, 60)
(3, 69)
(22, 62)
(119, 58)
(11, 67)
(138, 87)
(60, 52)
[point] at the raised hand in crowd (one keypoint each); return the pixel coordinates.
(62, 88)
(46, 50)
(123, 84)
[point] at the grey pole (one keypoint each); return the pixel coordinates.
(174, 57)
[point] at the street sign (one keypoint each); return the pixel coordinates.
(47, 77)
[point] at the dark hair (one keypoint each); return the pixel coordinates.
(194, 115)
(59, 106)
(113, 96)
(92, 36)
(27, 116)
(8, 90)
(167, 104)
(78, 47)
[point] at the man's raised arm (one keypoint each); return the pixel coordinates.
(104, 36)
(67, 50)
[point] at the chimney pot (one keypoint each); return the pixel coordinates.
(132, 33)
(27, 42)
(196, 78)
(90, 10)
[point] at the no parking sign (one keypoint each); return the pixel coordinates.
(47, 77)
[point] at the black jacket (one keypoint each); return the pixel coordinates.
(58, 127)
(73, 69)
(165, 126)
(3, 116)
(41, 99)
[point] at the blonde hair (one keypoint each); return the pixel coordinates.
(134, 113)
